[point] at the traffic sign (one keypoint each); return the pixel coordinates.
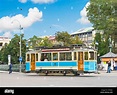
(20, 59)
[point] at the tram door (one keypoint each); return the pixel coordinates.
(33, 61)
(80, 61)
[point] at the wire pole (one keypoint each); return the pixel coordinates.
(20, 49)
(110, 44)
(20, 57)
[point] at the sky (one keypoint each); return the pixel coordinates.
(42, 17)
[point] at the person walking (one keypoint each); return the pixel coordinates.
(10, 68)
(109, 67)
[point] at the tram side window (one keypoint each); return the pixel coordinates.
(36, 57)
(68, 56)
(86, 55)
(49, 56)
(46, 56)
(28, 57)
(95, 55)
(62, 56)
(91, 55)
(55, 56)
(42, 56)
(65, 56)
(74, 55)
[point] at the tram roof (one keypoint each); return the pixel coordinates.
(32, 51)
(60, 48)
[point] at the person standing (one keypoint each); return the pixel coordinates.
(10, 68)
(109, 67)
(113, 64)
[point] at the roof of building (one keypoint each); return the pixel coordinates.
(109, 55)
(84, 30)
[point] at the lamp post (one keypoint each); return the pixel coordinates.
(110, 44)
(20, 58)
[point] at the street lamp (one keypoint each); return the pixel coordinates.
(110, 44)
(20, 58)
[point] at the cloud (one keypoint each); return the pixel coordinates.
(10, 24)
(38, 1)
(83, 13)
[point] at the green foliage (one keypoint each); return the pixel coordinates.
(65, 38)
(102, 45)
(33, 42)
(103, 15)
(13, 49)
(76, 40)
(45, 42)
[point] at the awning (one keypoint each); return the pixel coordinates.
(109, 55)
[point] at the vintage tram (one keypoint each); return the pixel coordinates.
(61, 60)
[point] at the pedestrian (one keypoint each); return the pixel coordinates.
(10, 68)
(109, 67)
(113, 64)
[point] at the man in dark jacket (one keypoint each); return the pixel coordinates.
(109, 67)
(10, 68)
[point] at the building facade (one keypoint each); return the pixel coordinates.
(3, 41)
(87, 35)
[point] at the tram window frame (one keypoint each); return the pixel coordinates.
(36, 56)
(28, 57)
(55, 56)
(75, 58)
(91, 57)
(67, 55)
(63, 56)
(46, 56)
(95, 55)
(86, 55)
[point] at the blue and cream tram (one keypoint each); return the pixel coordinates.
(62, 60)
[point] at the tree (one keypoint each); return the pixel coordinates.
(13, 49)
(33, 42)
(102, 44)
(76, 40)
(103, 15)
(63, 37)
(45, 42)
(66, 39)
